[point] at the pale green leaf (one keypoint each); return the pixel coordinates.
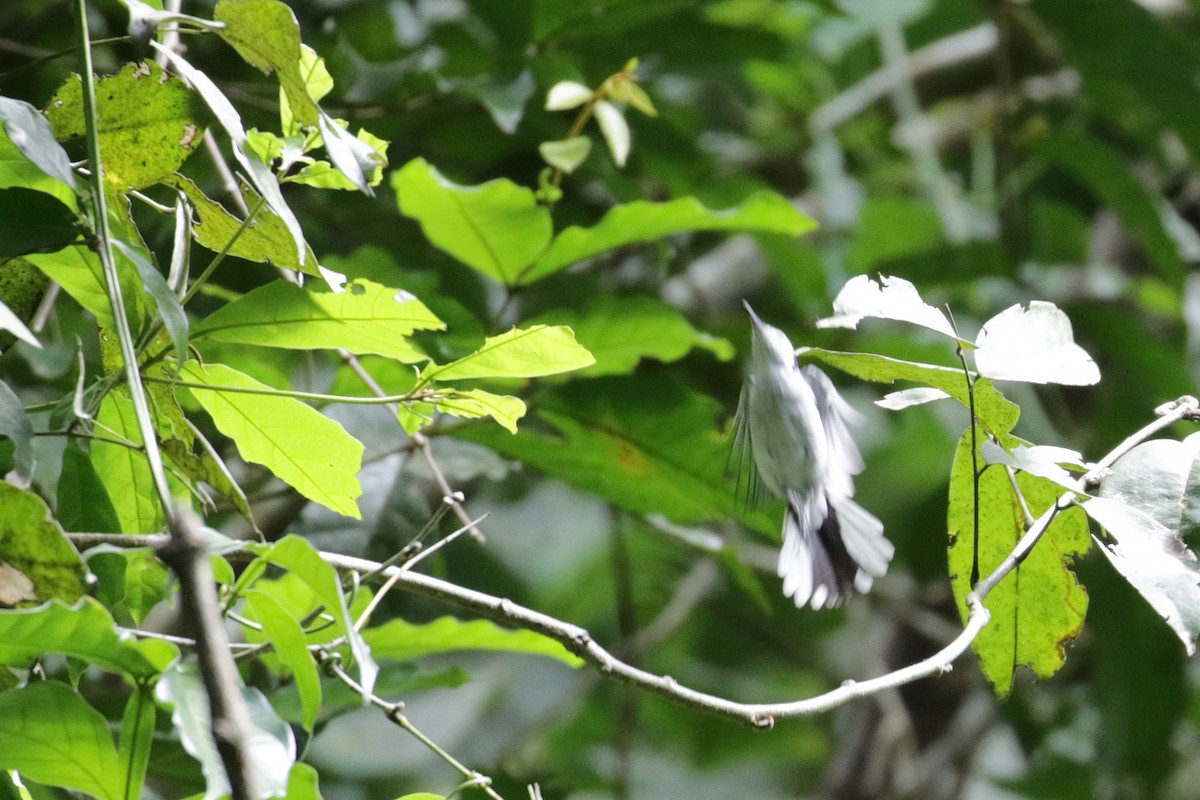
(26, 130)
(497, 227)
(304, 448)
(615, 130)
(565, 95)
(317, 83)
(399, 639)
(521, 353)
(78, 271)
(631, 223)
(35, 556)
(303, 783)
(51, 735)
(84, 631)
(566, 154)
(366, 318)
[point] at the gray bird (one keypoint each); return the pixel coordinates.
(793, 435)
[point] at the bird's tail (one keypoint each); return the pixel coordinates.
(831, 547)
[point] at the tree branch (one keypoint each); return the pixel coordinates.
(759, 715)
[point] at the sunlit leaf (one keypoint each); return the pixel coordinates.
(147, 122)
(497, 227)
(1043, 461)
(51, 735)
(303, 447)
(1153, 478)
(906, 398)
(317, 83)
(265, 33)
(521, 353)
(1039, 607)
(366, 318)
(889, 298)
(476, 403)
(1034, 345)
(353, 157)
(1156, 563)
(641, 221)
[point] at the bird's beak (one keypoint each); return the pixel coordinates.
(753, 317)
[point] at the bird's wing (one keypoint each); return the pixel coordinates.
(749, 484)
(845, 461)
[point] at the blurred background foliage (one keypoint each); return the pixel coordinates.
(991, 152)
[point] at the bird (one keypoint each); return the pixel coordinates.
(792, 436)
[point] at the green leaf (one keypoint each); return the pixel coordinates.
(84, 631)
(284, 633)
(78, 271)
(303, 783)
(32, 221)
(300, 445)
(28, 133)
(621, 331)
(323, 175)
(33, 545)
(520, 353)
(123, 469)
(497, 227)
(366, 318)
(271, 748)
(83, 502)
(136, 738)
(1041, 606)
(607, 437)
(266, 240)
(403, 640)
(147, 122)
(303, 561)
(51, 735)
(997, 414)
(170, 311)
(132, 581)
(265, 33)
(1109, 175)
(762, 212)
(15, 426)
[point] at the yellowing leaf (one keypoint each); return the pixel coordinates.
(520, 353)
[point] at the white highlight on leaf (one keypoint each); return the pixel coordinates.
(1035, 345)
(1155, 562)
(1043, 461)
(566, 95)
(353, 157)
(895, 401)
(10, 322)
(890, 298)
(615, 129)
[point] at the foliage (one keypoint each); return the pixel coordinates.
(554, 332)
